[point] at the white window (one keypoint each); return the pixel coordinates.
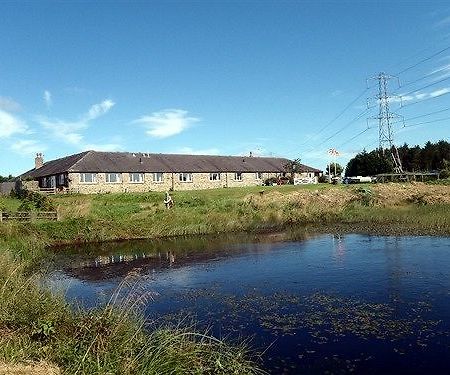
(158, 177)
(185, 177)
(61, 179)
(215, 176)
(114, 178)
(136, 178)
(238, 176)
(258, 175)
(88, 178)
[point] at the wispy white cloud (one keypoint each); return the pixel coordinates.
(191, 151)
(27, 147)
(439, 92)
(9, 105)
(421, 95)
(71, 131)
(444, 68)
(98, 110)
(336, 93)
(103, 147)
(167, 123)
(10, 125)
(443, 22)
(48, 98)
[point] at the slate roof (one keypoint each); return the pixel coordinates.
(95, 161)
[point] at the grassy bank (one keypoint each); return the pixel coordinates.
(37, 326)
(122, 216)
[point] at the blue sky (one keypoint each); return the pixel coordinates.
(216, 77)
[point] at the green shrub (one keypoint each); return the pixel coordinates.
(32, 199)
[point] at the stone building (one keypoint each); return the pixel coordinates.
(103, 172)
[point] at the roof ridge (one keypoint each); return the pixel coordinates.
(85, 154)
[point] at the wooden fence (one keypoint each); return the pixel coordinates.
(29, 215)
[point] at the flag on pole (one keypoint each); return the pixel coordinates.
(333, 152)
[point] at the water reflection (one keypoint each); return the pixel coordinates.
(338, 303)
(116, 259)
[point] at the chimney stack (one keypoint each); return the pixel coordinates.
(38, 160)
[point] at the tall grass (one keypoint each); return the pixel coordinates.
(125, 216)
(38, 326)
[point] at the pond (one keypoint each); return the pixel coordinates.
(312, 303)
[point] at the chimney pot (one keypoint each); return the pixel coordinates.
(38, 160)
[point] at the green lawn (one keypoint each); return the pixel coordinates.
(9, 204)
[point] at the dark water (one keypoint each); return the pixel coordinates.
(312, 303)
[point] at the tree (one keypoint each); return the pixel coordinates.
(430, 157)
(293, 167)
(334, 168)
(6, 179)
(369, 164)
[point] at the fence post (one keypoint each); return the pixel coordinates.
(1, 216)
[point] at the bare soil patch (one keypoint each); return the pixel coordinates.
(41, 368)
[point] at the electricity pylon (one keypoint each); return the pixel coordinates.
(385, 130)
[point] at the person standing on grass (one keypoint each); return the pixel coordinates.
(168, 201)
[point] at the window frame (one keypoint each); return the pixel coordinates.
(258, 176)
(237, 176)
(158, 174)
(83, 178)
(61, 181)
(212, 174)
(117, 174)
(182, 175)
(141, 177)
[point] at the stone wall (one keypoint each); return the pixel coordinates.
(171, 181)
(30, 185)
(6, 187)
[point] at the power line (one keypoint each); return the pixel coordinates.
(427, 122)
(341, 129)
(354, 137)
(424, 100)
(426, 86)
(424, 115)
(423, 60)
(445, 68)
(336, 117)
(444, 39)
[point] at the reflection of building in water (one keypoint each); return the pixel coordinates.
(117, 259)
(339, 247)
(171, 257)
(103, 260)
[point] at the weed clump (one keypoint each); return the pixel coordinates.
(32, 200)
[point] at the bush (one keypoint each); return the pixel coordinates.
(445, 173)
(322, 179)
(270, 181)
(33, 199)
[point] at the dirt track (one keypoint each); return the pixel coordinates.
(40, 368)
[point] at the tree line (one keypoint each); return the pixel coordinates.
(432, 157)
(6, 178)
